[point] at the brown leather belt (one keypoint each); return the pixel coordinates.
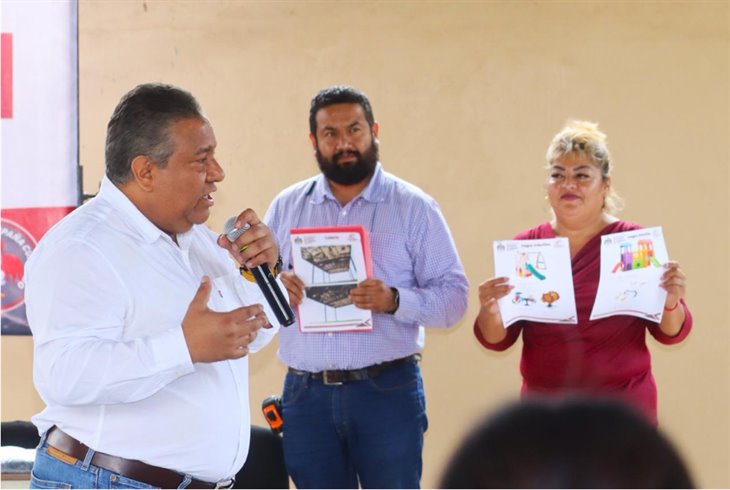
(130, 468)
(342, 376)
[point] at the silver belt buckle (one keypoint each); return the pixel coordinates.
(225, 483)
(326, 379)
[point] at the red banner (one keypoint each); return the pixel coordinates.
(6, 76)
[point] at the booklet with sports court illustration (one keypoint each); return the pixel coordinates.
(331, 261)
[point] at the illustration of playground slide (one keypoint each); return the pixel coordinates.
(530, 264)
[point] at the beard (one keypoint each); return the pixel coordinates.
(351, 172)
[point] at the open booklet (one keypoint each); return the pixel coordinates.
(631, 271)
(541, 275)
(331, 261)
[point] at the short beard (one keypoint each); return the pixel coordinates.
(350, 173)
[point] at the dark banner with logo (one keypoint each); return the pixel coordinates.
(21, 230)
(39, 112)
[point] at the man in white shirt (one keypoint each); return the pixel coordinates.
(141, 321)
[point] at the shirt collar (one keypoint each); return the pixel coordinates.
(373, 192)
(137, 221)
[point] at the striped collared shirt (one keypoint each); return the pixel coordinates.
(412, 250)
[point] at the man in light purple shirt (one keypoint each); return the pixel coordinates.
(353, 402)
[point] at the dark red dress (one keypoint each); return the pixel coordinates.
(602, 357)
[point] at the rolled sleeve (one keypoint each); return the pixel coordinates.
(663, 338)
(513, 332)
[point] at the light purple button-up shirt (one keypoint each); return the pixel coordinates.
(412, 250)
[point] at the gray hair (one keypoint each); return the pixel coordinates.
(140, 126)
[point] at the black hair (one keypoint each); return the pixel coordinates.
(574, 443)
(338, 94)
(140, 124)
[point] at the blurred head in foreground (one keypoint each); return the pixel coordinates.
(573, 443)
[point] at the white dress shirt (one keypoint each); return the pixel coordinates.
(106, 295)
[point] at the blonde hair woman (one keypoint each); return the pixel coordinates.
(608, 356)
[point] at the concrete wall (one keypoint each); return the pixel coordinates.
(468, 95)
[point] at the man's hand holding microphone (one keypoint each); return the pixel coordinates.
(215, 336)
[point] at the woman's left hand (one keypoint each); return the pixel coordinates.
(674, 282)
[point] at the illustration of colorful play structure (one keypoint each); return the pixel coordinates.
(530, 264)
(636, 259)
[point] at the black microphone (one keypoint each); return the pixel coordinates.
(265, 279)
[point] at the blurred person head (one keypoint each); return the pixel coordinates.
(572, 443)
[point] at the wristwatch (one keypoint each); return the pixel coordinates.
(396, 300)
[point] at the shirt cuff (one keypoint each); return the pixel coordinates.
(409, 307)
(684, 330)
(499, 346)
(170, 352)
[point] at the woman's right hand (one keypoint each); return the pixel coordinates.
(491, 290)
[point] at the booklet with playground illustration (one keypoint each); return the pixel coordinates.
(541, 273)
(631, 271)
(331, 261)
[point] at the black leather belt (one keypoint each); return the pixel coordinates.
(136, 470)
(342, 376)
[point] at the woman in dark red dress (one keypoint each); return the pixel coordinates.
(606, 357)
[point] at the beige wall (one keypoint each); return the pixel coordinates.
(468, 95)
